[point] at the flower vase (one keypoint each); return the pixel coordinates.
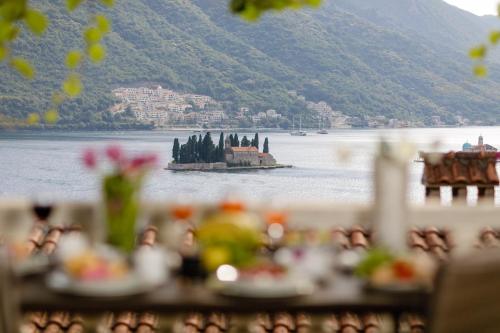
(121, 200)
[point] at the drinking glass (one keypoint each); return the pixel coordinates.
(43, 204)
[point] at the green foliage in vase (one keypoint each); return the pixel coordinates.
(121, 198)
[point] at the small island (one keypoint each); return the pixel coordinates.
(201, 154)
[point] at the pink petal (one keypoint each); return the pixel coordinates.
(89, 158)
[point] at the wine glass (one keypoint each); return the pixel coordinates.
(43, 204)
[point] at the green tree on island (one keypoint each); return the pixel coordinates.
(175, 150)
(266, 146)
(255, 141)
(236, 141)
(199, 147)
(220, 147)
(245, 142)
(208, 148)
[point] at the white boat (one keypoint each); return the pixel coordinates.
(321, 130)
(300, 132)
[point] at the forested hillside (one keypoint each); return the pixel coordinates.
(405, 59)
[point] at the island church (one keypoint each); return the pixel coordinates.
(246, 156)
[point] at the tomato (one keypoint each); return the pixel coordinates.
(403, 270)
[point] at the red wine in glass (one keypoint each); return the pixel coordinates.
(42, 206)
(42, 211)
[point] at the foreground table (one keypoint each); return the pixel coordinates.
(342, 294)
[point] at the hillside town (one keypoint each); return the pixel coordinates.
(165, 108)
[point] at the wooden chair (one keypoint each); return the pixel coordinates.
(9, 305)
(468, 295)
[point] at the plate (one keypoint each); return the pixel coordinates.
(266, 288)
(37, 264)
(397, 287)
(129, 285)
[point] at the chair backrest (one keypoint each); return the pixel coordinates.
(467, 297)
(9, 305)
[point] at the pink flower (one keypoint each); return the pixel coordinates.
(148, 160)
(114, 153)
(89, 158)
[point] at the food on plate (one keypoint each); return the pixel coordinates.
(383, 268)
(263, 270)
(90, 266)
(230, 235)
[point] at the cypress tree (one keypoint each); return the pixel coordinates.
(175, 150)
(192, 149)
(236, 141)
(256, 141)
(220, 148)
(199, 148)
(208, 148)
(231, 140)
(266, 146)
(245, 142)
(189, 144)
(183, 154)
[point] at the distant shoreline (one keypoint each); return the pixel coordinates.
(243, 130)
(232, 169)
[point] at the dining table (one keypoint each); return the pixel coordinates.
(340, 294)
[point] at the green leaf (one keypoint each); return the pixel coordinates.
(102, 23)
(51, 116)
(251, 13)
(478, 52)
(33, 118)
(73, 4)
(480, 71)
(73, 59)
(108, 3)
(314, 3)
(8, 31)
(23, 67)
(36, 21)
(72, 86)
(57, 98)
(3, 52)
(494, 37)
(92, 35)
(96, 52)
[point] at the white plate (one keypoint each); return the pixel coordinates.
(266, 288)
(32, 265)
(129, 285)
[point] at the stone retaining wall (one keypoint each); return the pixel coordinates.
(197, 166)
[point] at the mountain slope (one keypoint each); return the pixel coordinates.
(400, 58)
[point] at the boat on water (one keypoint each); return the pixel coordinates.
(300, 132)
(321, 129)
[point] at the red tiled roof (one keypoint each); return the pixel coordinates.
(244, 149)
(460, 169)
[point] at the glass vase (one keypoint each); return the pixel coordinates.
(121, 200)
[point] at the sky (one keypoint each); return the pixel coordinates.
(479, 7)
